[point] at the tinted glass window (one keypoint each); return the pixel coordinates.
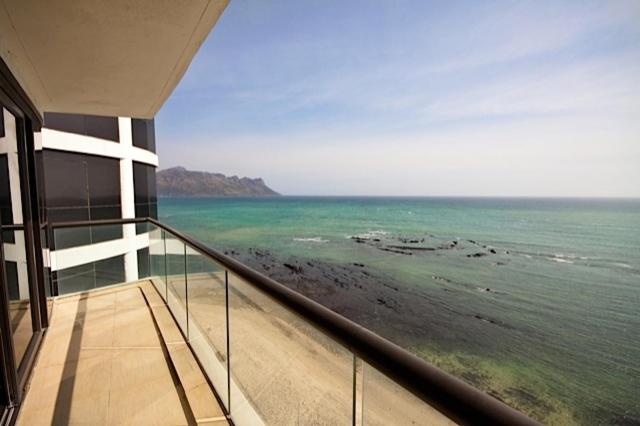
(6, 215)
(91, 275)
(88, 125)
(144, 182)
(144, 134)
(143, 263)
(67, 180)
(82, 187)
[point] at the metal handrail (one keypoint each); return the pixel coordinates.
(12, 227)
(454, 398)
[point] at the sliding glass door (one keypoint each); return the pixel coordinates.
(23, 311)
(14, 247)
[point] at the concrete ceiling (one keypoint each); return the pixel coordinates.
(103, 57)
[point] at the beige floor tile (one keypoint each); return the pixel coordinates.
(64, 340)
(150, 292)
(102, 363)
(74, 392)
(134, 327)
(201, 399)
(74, 305)
(168, 327)
(130, 298)
(142, 390)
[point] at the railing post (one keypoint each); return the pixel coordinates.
(166, 273)
(186, 291)
(226, 296)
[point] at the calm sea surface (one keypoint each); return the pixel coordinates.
(551, 320)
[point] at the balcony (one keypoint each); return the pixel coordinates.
(205, 339)
(116, 356)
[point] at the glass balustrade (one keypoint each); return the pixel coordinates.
(268, 363)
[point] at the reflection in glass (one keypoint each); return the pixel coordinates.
(207, 318)
(157, 260)
(18, 289)
(283, 370)
(385, 402)
(176, 281)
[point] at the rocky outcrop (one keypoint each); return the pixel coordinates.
(180, 182)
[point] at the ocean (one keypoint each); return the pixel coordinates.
(536, 301)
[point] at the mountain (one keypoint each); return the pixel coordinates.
(180, 182)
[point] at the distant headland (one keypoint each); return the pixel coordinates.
(180, 182)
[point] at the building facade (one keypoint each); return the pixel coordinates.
(97, 168)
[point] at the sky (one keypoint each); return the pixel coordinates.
(415, 98)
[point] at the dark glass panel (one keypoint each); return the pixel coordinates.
(144, 134)
(11, 269)
(153, 210)
(77, 278)
(1, 123)
(72, 237)
(143, 263)
(8, 237)
(6, 215)
(104, 181)
(151, 179)
(142, 210)
(144, 180)
(102, 127)
(70, 214)
(72, 123)
(41, 185)
(140, 183)
(88, 125)
(109, 271)
(66, 177)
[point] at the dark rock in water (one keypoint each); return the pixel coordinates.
(477, 255)
(294, 268)
(485, 319)
(359, 265)
(529, 400)
(473, 242)
(493, 251)
(412, 248)
(625, 420)
(396, 251)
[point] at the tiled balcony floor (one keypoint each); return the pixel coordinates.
(104, 361)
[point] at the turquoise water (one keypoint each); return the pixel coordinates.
(556, 335)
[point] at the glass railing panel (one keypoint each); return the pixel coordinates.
(206, 286)
(283, 370)
(157, 260)
(81, 265)
(385, 402)
(176, 280)
(87, 235)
